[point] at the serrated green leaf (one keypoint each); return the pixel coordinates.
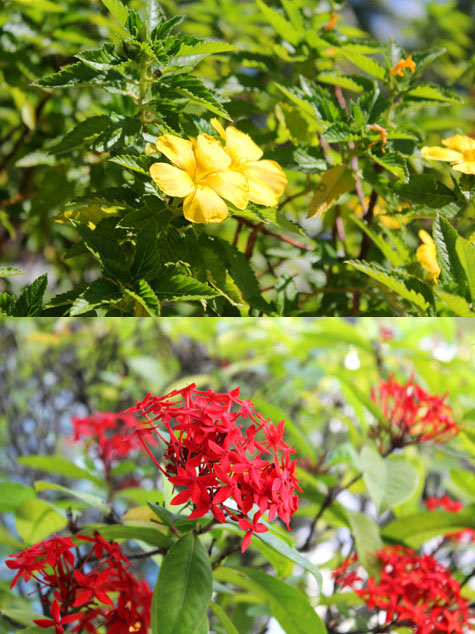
(78, 74)
(118, 10)
(7, 271)
(99, 292)
(390, 253)
(367, 64)
(195, 90)
(425, 190)
(7, 304)
(445, 238)
(219, 277)
(339, 131)
(30, 302)
(458, 305)
(394, 163)
(466, 253)
(137, 163)
(146, 260)
(82, 135)
(432, 92)
(282, 27)
(179, 287)
(205, 48)
(103, 58)
(384, 277)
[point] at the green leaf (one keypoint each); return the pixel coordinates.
(384, 277)
(195, 90)
(425, 190)
(205, 48)
(145, 296)
(106, 250)
(389, 482)
(432, 92)
(334, 183)
(243, 275)
(78, 74)
(101, 291)
(103, 58)
(118, 10)
(183, 589)
(30, 302)
(339, 131)
(386, 248)
(288, 605)
(466, 253)
(180, 287)
(219, 277)
(414, 530)
(35, 520)
(90, 500)
(223, 618)
(367, 64)
(7, 304)
(134, 162)
(367, 540)
(282, 27)
(7, 271)
(151, 536)
(58, 465)
(146, 260)
(394, 163)
(445, 238)
(458, 305)
(12, 495)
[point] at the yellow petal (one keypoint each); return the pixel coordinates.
(267, 182)
(427, 255)
(171, 180)
(210, 155)
(467, 167)
(240, 147)
(460, 143)
(441, 154)
(204, 205)
(230, 185)
(179, 151)
(218, 127)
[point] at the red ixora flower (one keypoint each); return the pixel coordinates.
(453, 506)
(413, 414)
(108, 434)
(218, 448)
(82, 585)
(414, 590)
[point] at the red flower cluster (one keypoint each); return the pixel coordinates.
(453, 506)
(81, 585)
(109, 435)
(413, 414)
(213, 451)
(414, 590)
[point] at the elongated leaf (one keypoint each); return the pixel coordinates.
(283, 27)
(145, 298)
(432, 92)
(466, 253)
(151, 536)
(180, 287)
(367, 64)
(425, 190)
(418, 528)
(59, 465)
(367, 540)
(445, 238)
(205, 48)
(288, 605)
(394, 163)
(458, 305)
(90, 500)
(385, 277)
(35, 520)
(118, 10)
(224, 619)
(134, 162)
(8, 271)
(146, 260)
(183, 589)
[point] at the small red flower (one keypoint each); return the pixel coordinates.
(413, 415)
(453, 506)
(98, 589)
(217, 448)
(412, 589)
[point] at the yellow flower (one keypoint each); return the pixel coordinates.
(461, 154)
(427, 256)
(199, 173)
(398, 69)
(267, 181)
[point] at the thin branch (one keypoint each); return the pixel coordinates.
(279, 236)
